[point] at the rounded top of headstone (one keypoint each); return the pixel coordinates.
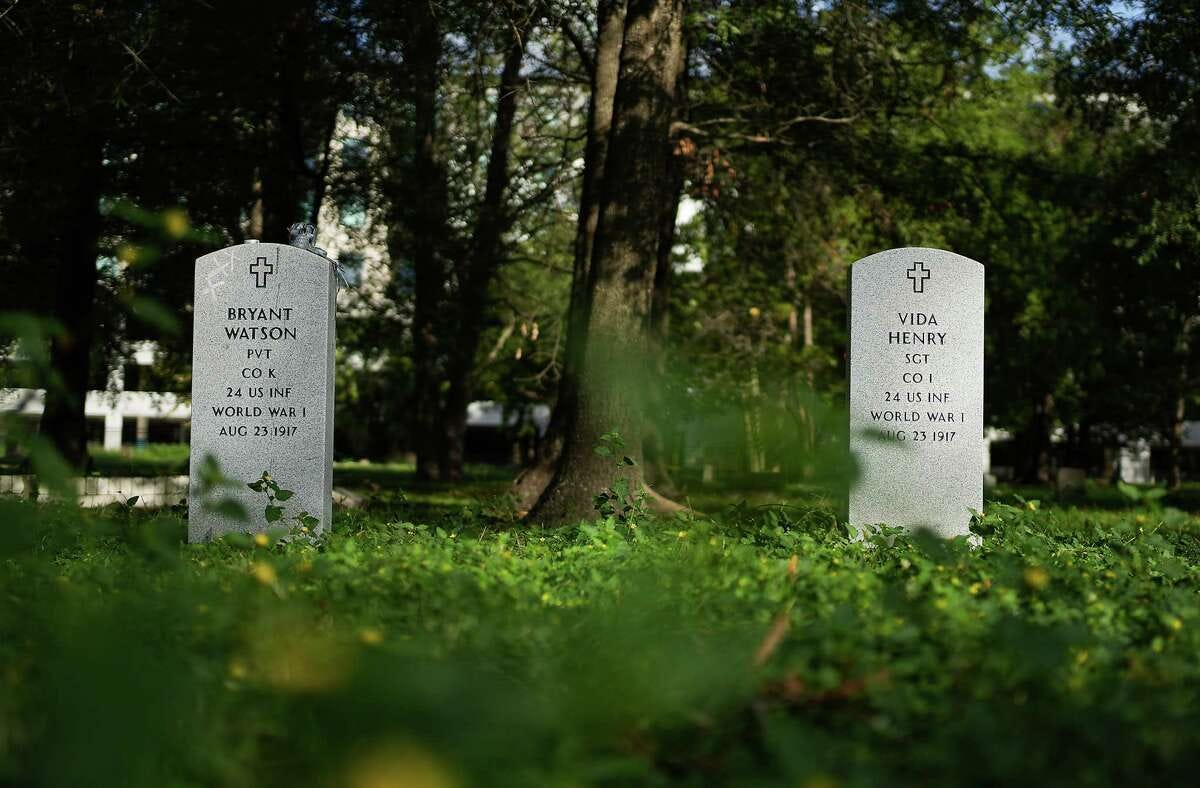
(910, 253)
(259, 248)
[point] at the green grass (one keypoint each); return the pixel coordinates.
(762, 647)
(381, 480)
(1095, 495)
(155, 459)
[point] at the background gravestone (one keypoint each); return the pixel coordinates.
(916, 389)
(262, 383)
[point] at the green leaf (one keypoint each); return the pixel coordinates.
(52, 471)
(154, 313)
(237, 539)
(256, 486)
(309, 521)
(228, 507)
(1129, 491)
(273, 513)
(211, 476)
(283, 495)
(628, 460)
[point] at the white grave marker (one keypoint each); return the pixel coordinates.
(262, 383)
(916, 389)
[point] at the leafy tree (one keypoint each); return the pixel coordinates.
(129, 104)
(1138, 75)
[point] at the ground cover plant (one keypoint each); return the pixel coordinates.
(762, 646)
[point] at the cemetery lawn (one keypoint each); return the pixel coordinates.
(759, 647)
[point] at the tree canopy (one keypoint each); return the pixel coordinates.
(468, 156)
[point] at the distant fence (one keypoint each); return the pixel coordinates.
(152, 492)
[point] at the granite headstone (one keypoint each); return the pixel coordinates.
(262, 384)
(916, 389)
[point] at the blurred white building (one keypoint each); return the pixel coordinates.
(121, 415)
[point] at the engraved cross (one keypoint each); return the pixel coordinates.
(918, 274)
(261, 269)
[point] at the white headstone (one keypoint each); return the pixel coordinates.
(916, 389)
(262, 384)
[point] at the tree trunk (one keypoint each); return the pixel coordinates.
(605, 65)
(800, 335)
(321, 184)
(481, 268)
(615, 352)
(660, 302)
(254, 225)
(64, 422)
(790, 280)
(1183, 352)
(809, 336)
(286, 178)
(424, 218)
(1176, 443)
(1039, 469)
